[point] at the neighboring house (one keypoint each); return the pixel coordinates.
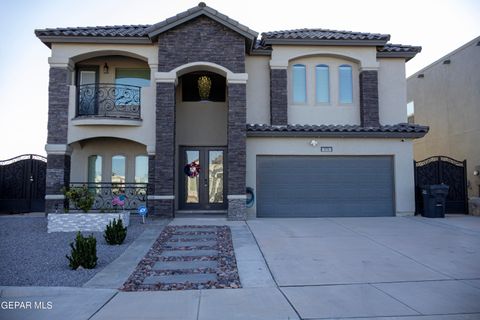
(446, 97)
(312, 120)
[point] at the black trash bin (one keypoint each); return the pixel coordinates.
(434, 197)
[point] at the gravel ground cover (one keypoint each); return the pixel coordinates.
(198, 245)
(29, 256)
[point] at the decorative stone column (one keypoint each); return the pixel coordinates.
(278, 96)
(58, 152)
(162, 164)
(236, 155)
(369, 114)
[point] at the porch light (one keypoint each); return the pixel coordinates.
(105, 68)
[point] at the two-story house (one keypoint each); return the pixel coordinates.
(311, 121)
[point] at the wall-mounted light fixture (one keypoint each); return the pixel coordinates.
(105, 68)
(314, 143)
(476, 172)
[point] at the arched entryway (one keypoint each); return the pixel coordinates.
(201, 112)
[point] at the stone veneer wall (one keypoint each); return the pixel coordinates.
(201, 39)
(278, 97)
(236, 155)
(72, 222)
(58, 166)
(369, 114)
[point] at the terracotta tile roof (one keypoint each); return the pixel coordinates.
(322, 34)
(397, 130)
(99, 31)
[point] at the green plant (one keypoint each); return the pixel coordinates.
(115, 232)
(84, 252)
(82, 197)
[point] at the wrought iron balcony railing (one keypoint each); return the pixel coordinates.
(135, 195)
(108, 100)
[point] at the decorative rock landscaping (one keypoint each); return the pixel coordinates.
(187, 257)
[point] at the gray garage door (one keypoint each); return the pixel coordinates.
(324, 186)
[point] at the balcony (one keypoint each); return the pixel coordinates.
(107, 102)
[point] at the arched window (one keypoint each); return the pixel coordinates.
(95, 169)
(141, 169)
(118, 169)
(322, 83)
(299, 84)
(345, 84)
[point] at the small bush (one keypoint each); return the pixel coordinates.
(115, 233)
(82, 197)
(84, 252)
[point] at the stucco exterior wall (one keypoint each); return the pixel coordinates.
(447, 99)
(258, 89)
(105, 147)
(401, 151)
(323, 113)
(392, 91)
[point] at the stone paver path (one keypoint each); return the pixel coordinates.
(187, 257)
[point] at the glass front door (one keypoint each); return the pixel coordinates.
(202, 178)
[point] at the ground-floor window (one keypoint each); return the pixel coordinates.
(95, 168)
(141, 169)
(118, 169)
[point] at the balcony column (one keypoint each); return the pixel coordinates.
(58, 151)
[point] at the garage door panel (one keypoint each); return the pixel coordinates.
(320, 186)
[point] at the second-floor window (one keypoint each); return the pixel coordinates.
(322, 83)
(299, 84)
(345, 84)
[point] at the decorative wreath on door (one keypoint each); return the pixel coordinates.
(192, 169)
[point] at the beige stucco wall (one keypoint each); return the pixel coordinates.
(332, 112)
(401, 151)
(258, 89)
(392, 91)
(448, 100)
(107, 148)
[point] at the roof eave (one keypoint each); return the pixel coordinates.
(406, 55)
(325, 42)
(400, 135)
(48, 40)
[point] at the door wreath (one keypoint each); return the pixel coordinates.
(192, 169)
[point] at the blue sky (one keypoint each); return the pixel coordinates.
(438, 26)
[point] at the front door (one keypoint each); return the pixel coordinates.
(202, 178)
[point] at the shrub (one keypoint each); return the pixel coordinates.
(84, 252)
(115, 233)
(82, 197)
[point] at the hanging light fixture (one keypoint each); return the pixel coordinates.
(105, 68)
(204, 87)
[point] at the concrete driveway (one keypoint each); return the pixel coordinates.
(375, 267)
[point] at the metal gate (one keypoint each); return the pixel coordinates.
(441, 169)
(22, 184)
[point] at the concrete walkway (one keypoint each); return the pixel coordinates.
(336, 268)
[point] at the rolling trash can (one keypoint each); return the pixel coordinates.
(434, 197)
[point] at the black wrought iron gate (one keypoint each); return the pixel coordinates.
(22, 184)
(441, 169)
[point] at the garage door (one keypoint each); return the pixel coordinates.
(325, 186)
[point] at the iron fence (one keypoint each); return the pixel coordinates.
(135, 195)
